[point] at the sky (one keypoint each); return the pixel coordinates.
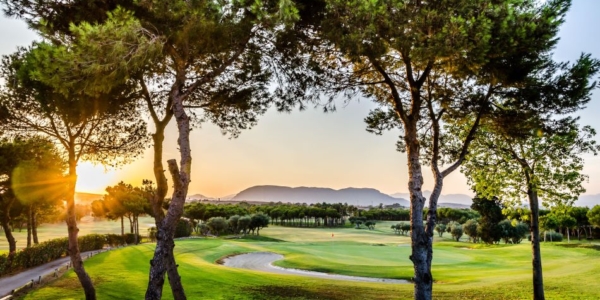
(312, 148)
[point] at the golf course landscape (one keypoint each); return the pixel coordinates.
(461, 270)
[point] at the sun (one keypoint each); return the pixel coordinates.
(93, 178)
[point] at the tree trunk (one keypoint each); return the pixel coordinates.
(73, 250)
(34, 225)
(122, 227)
(12, 243)
(130, 224)
(420, 241)
(166, 229)
(29, 226)
(538, 280)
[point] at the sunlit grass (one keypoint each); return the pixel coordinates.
(493, 272)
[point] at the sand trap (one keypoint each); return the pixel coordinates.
(263, 261)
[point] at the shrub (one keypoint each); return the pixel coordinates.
(470, 228)
(46, 252)
(114, 240)
(456, 231)
(91, 242)
(552, 236)
(130, 238)
(440, 228)
(183, 229)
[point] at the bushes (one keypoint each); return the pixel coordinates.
(183, 229)
(552, 236)
(114, 240)
(91, 242)
(130, 238)
(456, 231)
(54, 249)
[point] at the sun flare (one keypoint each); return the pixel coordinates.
(93, 178)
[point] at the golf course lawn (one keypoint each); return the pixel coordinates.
(461, 270)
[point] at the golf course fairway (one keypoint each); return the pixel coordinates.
(461, 270)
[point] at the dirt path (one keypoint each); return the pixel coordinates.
(263, 261)
(9, 283)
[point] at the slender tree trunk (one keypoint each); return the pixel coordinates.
(12, 243)
(538, 280)
(74, 254)
(122, 227)
(420, 241)
(34, 225)
(131, 224)
(28, 226)
(164, 259)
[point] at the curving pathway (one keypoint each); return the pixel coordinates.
(263, 261)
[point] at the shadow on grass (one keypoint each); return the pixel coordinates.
(260, 238)
(584, 246)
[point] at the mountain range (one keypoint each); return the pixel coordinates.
(353, 196)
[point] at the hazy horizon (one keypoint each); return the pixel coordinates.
(311, 148)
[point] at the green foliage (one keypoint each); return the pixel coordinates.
(549, 222)
(401, 228)
(183, 229)
(552, 236)
(512, 232)
(550, 158)
(447, 214)
(491, 214)
(258, 221)
(48, 251)
(440, 228)
(130, 238)
(232, 224)
(594, 216)
(244, 223)
(114, 240)
(456, 231)
(370, 224)
(471, 229)
(217, 225)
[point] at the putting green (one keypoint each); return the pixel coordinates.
(461, 271)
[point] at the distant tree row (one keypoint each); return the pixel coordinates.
(297, 215)
(493, 223)
(125, 201)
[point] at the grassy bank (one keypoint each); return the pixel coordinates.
(461, 270)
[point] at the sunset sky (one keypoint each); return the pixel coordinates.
(311, 148)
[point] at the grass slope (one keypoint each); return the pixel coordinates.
(461, 271)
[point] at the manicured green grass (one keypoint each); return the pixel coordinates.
(460, 270)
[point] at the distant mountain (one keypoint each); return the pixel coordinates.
(228, 197)
(199, 197)
(203, 197)
(86, 198)
(353, 196)
(588, 200)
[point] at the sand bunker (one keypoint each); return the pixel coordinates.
(263, 261)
